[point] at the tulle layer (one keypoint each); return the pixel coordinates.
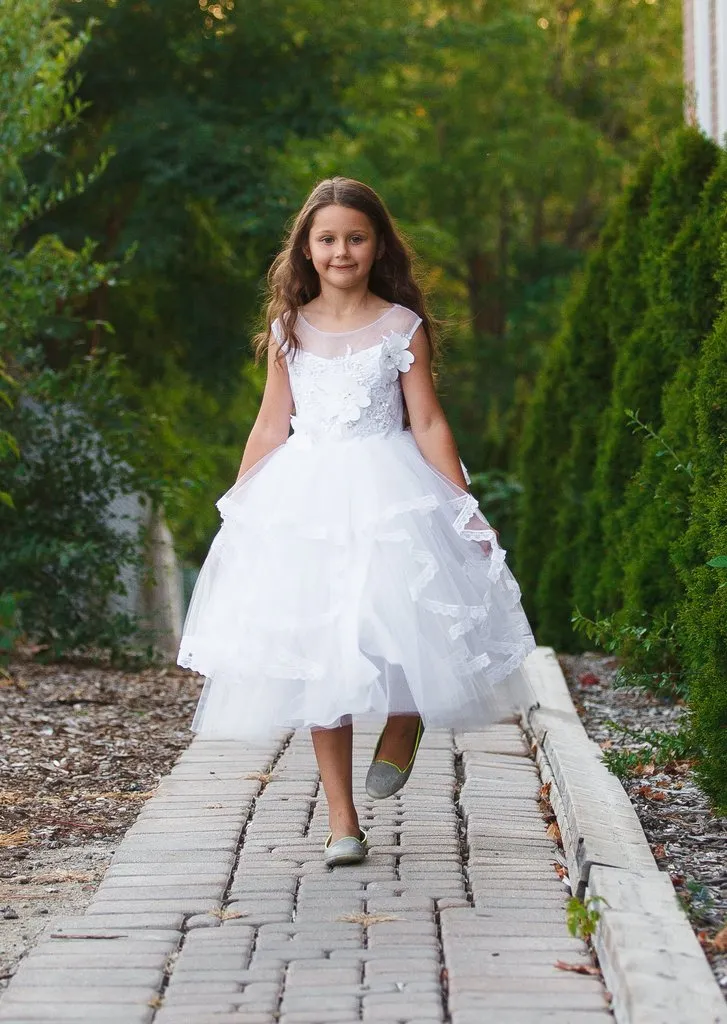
(352, 578)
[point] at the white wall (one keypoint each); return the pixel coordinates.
(705, 65)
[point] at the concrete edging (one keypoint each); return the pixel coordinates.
(651, 960)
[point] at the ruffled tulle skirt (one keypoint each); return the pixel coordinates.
(351, 577)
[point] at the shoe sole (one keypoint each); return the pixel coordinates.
(343, 858)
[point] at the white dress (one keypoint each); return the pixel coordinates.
(349, 576)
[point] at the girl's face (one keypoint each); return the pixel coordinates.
(342, 245)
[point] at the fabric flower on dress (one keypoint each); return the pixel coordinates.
(395, 355)
(345, 398)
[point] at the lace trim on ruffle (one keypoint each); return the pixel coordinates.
(430, 570)
(279, 668)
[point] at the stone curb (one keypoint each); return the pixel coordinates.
(651, 960)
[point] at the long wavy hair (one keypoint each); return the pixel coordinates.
(293, 281)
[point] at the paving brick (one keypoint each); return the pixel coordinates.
(114, 995)
(78, 1013)
(180, 852)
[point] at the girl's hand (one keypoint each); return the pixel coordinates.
(486, 545)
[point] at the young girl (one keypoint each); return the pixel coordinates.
(353, 573)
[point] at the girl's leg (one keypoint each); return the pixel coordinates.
(397, 743)
(334, 753)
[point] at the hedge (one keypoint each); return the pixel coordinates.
(643, 362)
(624, 521)
(657, 499)
(702, 616)
(611, 298)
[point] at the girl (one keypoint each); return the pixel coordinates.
(353, 573)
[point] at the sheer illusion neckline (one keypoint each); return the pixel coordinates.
(340, 334)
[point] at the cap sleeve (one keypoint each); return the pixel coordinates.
(414, 321)
(277, 330)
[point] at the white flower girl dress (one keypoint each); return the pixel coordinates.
(348, 576)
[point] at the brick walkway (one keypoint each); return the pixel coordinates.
(217, 906)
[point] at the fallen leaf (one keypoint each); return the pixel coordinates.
(553, 832)
(719, 942)
(650, 793)
(577, 968)
(367, 919)
(228, 915)
(660, 851)
(545, 791)
(588, 679)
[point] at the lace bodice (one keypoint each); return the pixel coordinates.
(347, 384)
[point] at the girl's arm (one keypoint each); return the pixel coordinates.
(429, 425)
(272, 424)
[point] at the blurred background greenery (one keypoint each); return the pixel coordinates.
(498, 133)
(568, 233)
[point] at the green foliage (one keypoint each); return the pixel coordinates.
(62, 552)
(68, 442)
(556, 458)
(10, 628)
(583, 916)
(648, 647)
(582, 386)
(656, 501)
(702, 619)
(644, 477)
(648, 746)
(644, 362)
(497, 493)
(541, 443)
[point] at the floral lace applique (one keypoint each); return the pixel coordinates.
(353, 395)
(395, 355)
(345, 398)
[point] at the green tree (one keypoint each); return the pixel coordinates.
(655, 511)
(59, 557)
(702, 618)
(643, 363)
(42, 283)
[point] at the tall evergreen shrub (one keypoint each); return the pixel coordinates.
(544, 441)
(702, 619)
(643, 363)
(613, 297)
(656, 506)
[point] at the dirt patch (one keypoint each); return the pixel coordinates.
(82, 747)
(687, 839)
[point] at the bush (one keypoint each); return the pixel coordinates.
(646, 577)
(644, 362)
(702, 617)
(60, 551)
(612, 291)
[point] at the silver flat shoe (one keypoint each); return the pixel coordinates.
(348, 850)
(385, 778)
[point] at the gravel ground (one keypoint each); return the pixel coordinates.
(686, 838)
(81, 748)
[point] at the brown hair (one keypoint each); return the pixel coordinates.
(293, 280)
